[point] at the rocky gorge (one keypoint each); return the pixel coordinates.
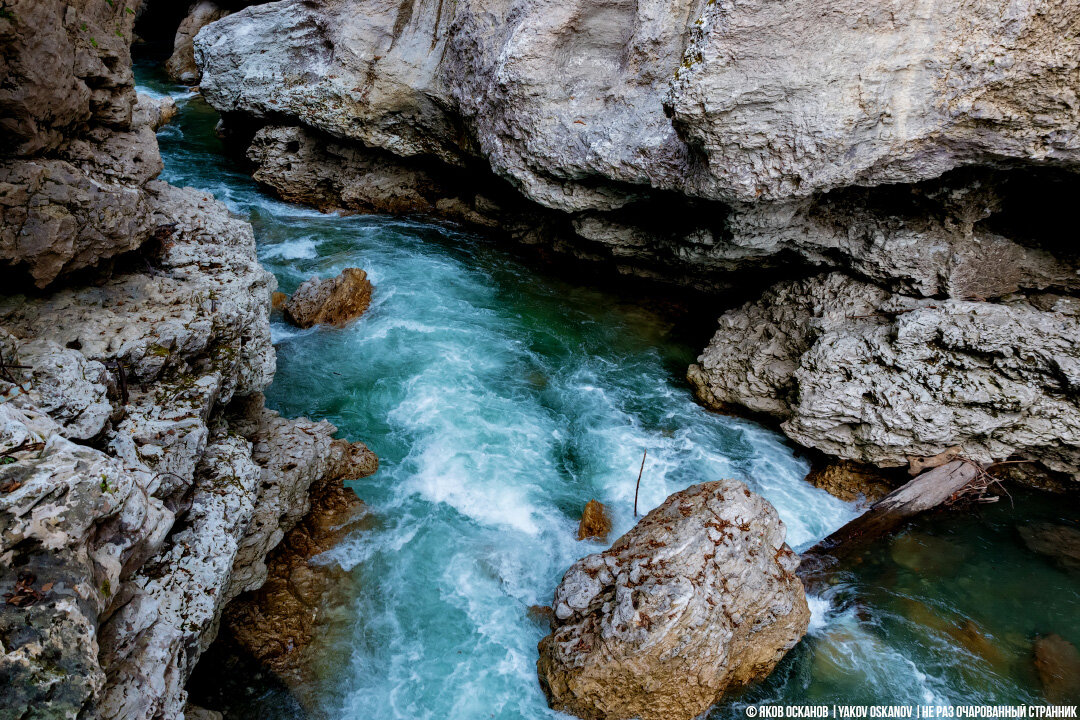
(908, 168)
(873, 200)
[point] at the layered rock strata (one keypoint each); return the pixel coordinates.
(134, 338)
(698, 600)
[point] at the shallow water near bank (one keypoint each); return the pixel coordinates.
(500, 400)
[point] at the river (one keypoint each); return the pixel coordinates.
(500, 399)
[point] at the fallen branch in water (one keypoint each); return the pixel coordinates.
(940, 486)
(638, 486)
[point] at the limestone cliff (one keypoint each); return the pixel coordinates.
(135, 501)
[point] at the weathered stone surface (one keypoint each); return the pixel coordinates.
(71, 521)
(697, 600)
(181, 64)
(787, 100)
(595, 522)
(330, 301)
(66, 69)
(866, 375)
(118, 558)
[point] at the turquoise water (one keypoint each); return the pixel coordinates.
(499, 401)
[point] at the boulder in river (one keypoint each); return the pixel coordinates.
(595, 522)
(699, 599)
(333, 301)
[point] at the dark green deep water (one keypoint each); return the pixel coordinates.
(500, 400)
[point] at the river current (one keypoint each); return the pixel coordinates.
(499, 401)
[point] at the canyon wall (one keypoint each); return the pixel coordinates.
(905, 171)
(142, 481)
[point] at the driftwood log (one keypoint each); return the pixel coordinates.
(925, 492)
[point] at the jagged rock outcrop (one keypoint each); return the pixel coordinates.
(277, 624)
(870, 376)
(697, 600)
(329, 301)
(134, 498)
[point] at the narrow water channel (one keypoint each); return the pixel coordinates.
(500, 400)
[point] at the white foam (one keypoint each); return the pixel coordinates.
(303, 248)
(819, 610)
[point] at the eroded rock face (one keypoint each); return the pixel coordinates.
(136, 497)
(697, 600)
(277, 623)
(874, 377)
(329, 301)
(788, 100)
(181, 64)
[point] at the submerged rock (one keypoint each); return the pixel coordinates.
(595, 522)
(1057, 662)
(699, 599)
(333, 301)
(1060, 543)
(276, 624)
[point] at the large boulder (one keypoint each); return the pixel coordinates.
(331, 301)
(699, 599)
(874, 377)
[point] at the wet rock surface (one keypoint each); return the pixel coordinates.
(851, 482)
(699, 599)
(595, 522)
(278, 623)
(1060, 543)
(330, 301)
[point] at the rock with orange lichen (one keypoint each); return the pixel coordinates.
(595, 522)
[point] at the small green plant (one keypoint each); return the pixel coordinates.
(93, 42)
